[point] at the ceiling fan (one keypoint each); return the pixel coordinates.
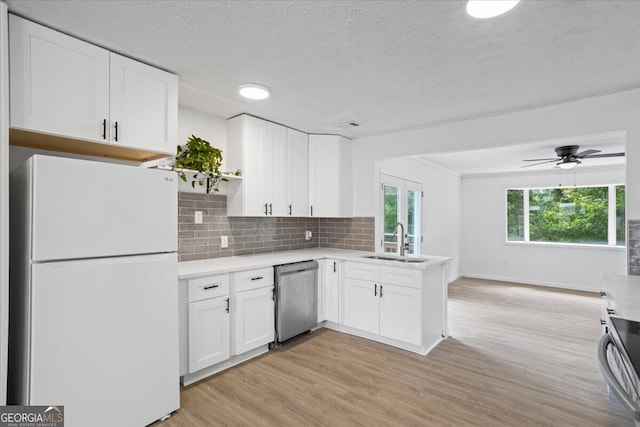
(569, 157)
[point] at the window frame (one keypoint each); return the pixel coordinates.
(612, 242)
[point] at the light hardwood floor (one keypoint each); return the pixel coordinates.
(517, 355)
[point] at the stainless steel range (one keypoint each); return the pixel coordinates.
(619, 356)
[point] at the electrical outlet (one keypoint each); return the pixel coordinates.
(308, 235)
(197, 217)
(224, 242)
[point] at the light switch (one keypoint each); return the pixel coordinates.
(308, 235)
(197, 218)
(224, 242)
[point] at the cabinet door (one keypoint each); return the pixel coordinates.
(274, 178)
(297, 203)
(254, 172)
(400, 313)
(59, 84)
(332, 291)
(361, 305)
(209, 340)
(254, 319)
(324, 175)
(322, 284)
(144, 106)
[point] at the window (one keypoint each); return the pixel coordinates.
(579, 215)
(401, 204)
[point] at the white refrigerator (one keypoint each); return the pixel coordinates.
(93, 291)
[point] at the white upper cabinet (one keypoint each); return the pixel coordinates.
(144, 105)
(64, 87)
(258, 148)
(59, 84)
(297, 173)
(330, 176)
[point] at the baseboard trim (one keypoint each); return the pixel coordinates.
(530, 282)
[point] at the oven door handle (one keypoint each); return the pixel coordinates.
(610, 378)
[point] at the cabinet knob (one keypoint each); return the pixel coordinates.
(289, 210)
(265, 209)
(227, 305)
(104, 129)
(116, 133)
(375, 290)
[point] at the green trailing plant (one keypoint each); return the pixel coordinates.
(200, 156)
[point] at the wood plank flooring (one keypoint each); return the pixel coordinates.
(517, 355)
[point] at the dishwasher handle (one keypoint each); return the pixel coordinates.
(610, 378)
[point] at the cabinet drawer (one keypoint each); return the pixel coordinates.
(252, 279)
(401, 276)
(362, 271)
(208, 287)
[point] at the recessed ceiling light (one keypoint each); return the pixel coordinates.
(489, 8)
(254, 91)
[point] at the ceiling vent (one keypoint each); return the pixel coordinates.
(348, 125)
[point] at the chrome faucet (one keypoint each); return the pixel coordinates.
(403, 246)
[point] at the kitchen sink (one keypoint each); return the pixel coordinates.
(385, 258)
(388, 258)
(411, 260)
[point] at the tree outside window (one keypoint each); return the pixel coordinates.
(566, 215)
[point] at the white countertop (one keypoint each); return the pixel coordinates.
(190, 269)
(625, 292)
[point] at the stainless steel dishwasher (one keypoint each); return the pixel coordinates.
(296, 299)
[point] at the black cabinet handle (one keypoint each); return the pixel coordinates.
(312, 210)
(380, 291)
(257, 278)
(289, 210)
(265, 209)
(104, 129)
(375, 290)
(270, 209)
(116, 135)
(334, 266)
(227, 305)
(206, 288)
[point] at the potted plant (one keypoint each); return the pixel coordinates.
(202, 158)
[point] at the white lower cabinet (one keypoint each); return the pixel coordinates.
(208, 333)
(254, 321)
(329, 290)
(390, 310)
(362, 309)
(229, 318)
(400, 309)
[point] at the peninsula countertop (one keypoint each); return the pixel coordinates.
(191, 269)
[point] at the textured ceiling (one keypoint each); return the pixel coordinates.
(390, 65)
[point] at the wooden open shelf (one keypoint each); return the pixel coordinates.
(24, 138)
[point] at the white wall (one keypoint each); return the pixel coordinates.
(615, 112)
(485, 253)
(440, 207)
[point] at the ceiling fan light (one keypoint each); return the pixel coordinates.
(254, 91)
(567, 165)
(484, 9)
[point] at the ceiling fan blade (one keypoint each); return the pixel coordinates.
(540, 160)
(586, 153)
(541, 163)
(595, 156)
